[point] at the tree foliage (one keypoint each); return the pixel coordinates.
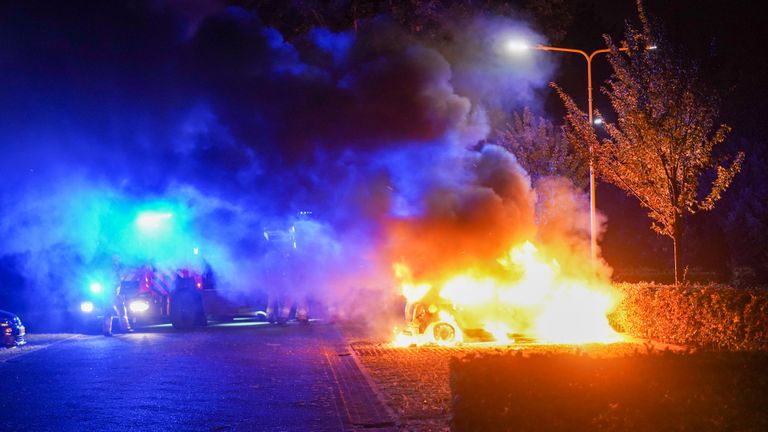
(542, 148)
(661, 147)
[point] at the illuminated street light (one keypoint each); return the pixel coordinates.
(518, 46)
(592, 207)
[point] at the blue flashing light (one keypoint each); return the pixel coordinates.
(150, 221)
(96, 288)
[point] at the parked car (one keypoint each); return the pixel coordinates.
(13, 331)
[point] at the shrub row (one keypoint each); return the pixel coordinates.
(703, 391)
(712, 316)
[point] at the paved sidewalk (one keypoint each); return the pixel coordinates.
(415, 381)
(362, 405)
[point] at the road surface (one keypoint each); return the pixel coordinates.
(231, 377)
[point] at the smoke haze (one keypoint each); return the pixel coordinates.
(110, 108)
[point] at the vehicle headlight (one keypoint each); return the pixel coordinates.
(139, 306)
(86, 306)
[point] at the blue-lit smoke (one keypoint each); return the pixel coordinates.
(109, 109)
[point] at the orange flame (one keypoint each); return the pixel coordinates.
(527, 295)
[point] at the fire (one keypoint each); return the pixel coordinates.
(526, 295)
(412, 292)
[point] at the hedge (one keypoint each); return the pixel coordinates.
(703, 391)
(712, 316)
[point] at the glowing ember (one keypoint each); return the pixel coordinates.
(526, 295)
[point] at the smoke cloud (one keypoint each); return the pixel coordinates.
(468, 224)
(111, 108)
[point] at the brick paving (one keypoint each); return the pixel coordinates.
(360, 404)
(415, 381)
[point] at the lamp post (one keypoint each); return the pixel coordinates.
(592, 208)
(516, 45)
(519, 46)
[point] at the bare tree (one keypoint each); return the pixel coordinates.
(661, 147)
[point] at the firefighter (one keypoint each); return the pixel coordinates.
(281, 307)
(278, 308)
(302, 310)
(114, 307)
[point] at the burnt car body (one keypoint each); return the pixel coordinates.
(12, 330)
(427, 321)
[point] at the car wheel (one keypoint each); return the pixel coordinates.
(444, 332)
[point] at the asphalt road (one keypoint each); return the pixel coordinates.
(220, 378)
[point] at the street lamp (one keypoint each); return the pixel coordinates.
(592, 207)
(519, 46)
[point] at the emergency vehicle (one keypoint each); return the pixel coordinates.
(182, 297)
(147, 295)
(146, 292)
(155, 293)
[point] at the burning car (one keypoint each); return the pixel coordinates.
(423, 321)
(447, 324)
(525, 298)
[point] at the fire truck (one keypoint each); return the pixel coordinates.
(147, 294)
(183, 296)
(153, 296)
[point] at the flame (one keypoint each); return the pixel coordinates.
(412, 292)
(500, 331)
(527, 294)
(412, 336)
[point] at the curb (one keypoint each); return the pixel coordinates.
(371, 383)
(362, 403)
